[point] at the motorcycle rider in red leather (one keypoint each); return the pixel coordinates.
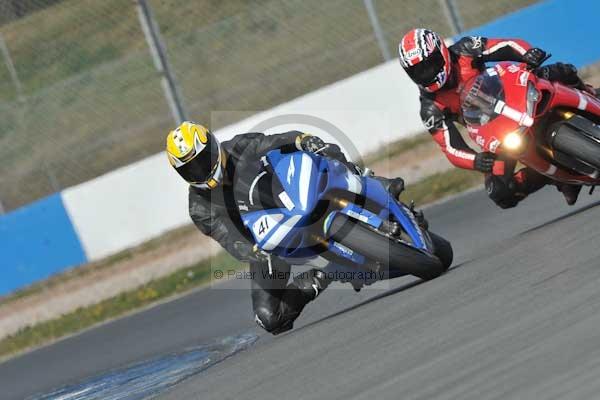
(441, 71)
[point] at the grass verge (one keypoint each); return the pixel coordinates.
(440, 185)
(429, 189)
(397, 148)
(85, 317)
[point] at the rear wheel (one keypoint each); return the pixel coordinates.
(394, 255)
(577, 144)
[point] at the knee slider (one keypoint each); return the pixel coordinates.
(266, 319)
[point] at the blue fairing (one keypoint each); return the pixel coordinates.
(306, 179)
(300, 175)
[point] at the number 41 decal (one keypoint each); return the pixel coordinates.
(265, 224)
(263, 227)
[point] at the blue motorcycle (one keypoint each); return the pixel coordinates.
(302, 205)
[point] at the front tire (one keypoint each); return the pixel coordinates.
(394, 255)
(578, 144)
(442, 249)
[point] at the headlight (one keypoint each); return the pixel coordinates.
(513, 141)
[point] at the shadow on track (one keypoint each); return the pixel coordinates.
(391, 292)
(562, 217)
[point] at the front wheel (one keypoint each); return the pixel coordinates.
(392, 254)
(442, 249)
(582, 144)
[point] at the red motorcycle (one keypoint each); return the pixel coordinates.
(547, 126)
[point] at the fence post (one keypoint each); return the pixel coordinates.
(11, 69)
(50, 175)
(453, 16)
(161, 62)
(14, 76)
(383, 46)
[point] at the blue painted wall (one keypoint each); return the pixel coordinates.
(37, 241)
(565, 28)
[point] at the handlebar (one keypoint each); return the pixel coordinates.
(531, 67)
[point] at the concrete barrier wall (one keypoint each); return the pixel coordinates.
(138, 202)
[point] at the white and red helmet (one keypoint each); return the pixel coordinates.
(425, 58)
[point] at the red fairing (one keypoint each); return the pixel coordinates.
(565, 96)
(446, 102)
(489, 136)
(509, 92)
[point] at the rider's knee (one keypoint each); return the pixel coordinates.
(501, 193)
(270, 321)
(265, 318)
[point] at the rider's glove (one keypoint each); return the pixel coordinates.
(484, 162)
(313, 144)
(250, 253)
(534, 57)
(355, 168)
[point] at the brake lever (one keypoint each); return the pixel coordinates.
(318, 151)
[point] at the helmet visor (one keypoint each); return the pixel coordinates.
(201, 168)
(425, 72)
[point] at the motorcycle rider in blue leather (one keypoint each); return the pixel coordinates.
(210, 167)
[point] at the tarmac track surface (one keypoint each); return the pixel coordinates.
(518, 317)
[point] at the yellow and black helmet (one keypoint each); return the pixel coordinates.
(196, 155)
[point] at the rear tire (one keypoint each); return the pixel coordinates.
(576, 144)
(394, 255)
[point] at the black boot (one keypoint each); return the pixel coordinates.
(311, 283)
(570, 192)
(394, 185)
(421, 220)
(276, 314)
(303, 289)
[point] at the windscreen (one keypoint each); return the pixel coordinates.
(481, 99)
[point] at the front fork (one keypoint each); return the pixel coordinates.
(388, 228)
